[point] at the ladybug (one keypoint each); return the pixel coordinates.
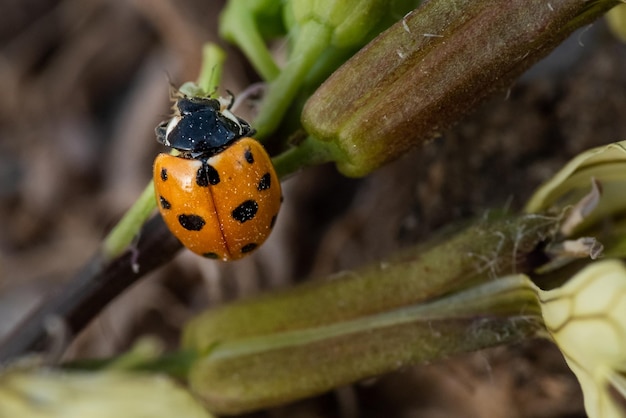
(220, 196)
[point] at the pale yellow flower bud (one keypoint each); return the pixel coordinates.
(586, 317)
(616, 18)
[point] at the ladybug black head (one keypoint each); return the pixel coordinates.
(201, 127)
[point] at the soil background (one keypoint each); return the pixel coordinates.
(83, 84)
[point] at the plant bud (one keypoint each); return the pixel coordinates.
(430, 68)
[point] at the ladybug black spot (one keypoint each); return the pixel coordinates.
(246, 211)
(164, 174)
(212, 256)
(212, 175)
(164, 203)
(248, 156)
(202, 179)
(273, 221)
(265, 182)
(248, 248)
(191, 222)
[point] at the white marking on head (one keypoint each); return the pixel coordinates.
(170, 127)
(232, 117)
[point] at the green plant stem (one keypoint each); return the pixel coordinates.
(238, 24)
(308, 153)
(213, 58)
(312, 40)
(127, 228)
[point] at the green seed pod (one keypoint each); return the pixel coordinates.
(429, 69)
(427, 303)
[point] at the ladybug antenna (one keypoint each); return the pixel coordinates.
(175, 96)
(174, 92)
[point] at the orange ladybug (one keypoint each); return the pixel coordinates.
(220, 197)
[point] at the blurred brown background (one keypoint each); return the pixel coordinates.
(83, 83)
